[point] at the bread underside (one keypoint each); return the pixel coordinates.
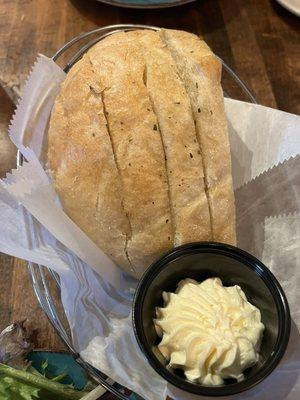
(138, 146)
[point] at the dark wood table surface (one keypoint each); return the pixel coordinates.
(258, 38)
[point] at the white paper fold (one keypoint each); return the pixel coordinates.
(21, 238)
(260, 137)
(265, 145)
(31, 116)
(30, 186)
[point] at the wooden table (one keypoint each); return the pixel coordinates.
(257, 38)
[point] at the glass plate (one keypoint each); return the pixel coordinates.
(45, 282)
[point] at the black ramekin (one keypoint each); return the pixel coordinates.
(233, 266)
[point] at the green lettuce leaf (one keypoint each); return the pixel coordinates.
(11, 388)
(23, 385)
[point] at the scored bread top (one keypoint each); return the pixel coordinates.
(138, 150)
(184, 164)
(129, 154)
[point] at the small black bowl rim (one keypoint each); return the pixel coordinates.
(248, 260)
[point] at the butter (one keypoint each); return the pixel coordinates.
(209, 331)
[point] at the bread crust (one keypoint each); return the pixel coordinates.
(138, 146)
(138, 149)
(83, 166)
(183, 158)
(200, 71)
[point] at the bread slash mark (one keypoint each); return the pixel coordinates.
(156, 127)
(127, 236)
(175, 55)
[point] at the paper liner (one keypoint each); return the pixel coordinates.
(22, 237)
(31, 187)
(32, 112)
(273, 192)
(260, 137)
(265, 144)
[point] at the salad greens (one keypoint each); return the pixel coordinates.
(24, 385)
(19, 380)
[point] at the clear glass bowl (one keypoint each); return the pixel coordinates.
(46, 283)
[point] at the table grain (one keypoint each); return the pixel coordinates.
(258, 38)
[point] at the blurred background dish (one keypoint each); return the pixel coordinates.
(146, 3)
(291, 5)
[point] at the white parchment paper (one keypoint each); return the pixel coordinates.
(96, 295)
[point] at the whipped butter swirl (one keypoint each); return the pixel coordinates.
(209, 331)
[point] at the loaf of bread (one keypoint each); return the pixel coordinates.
(138, 146)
